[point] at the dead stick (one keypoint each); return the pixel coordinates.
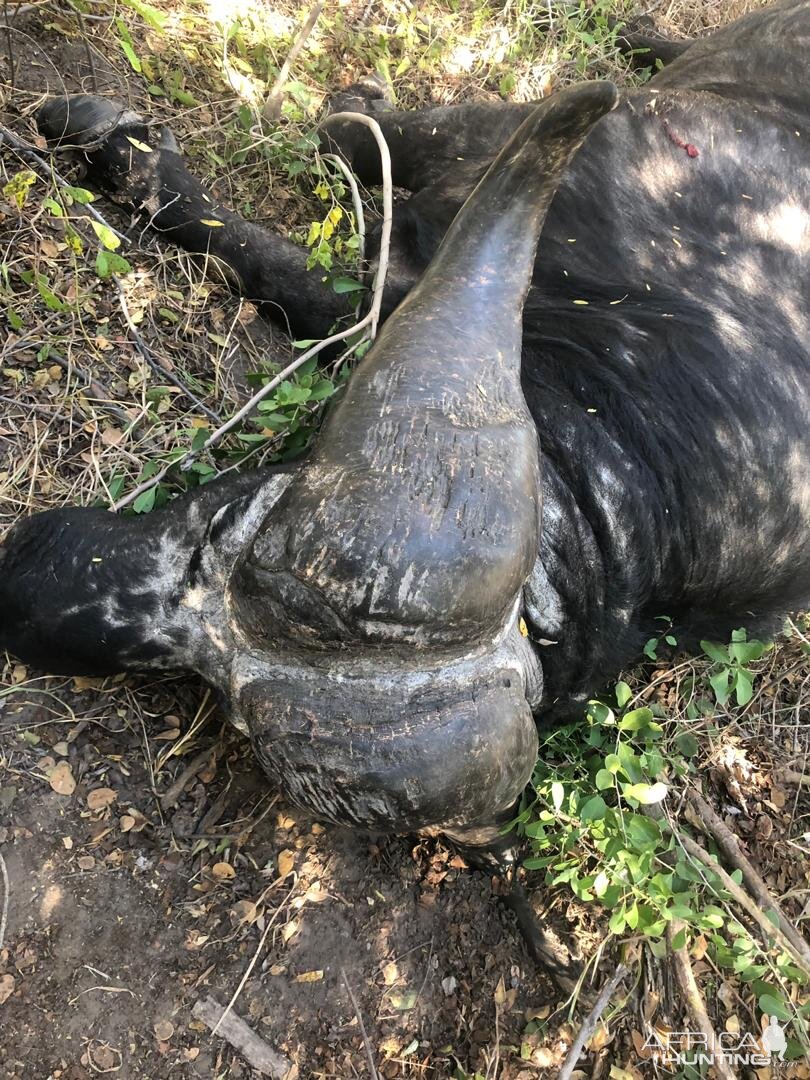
(271, 922)
(694, 1000)
(366, 1044)
(170, 797)
(591, 1021)
(233, 1029)
(272, 104)
(745, 901)
(6, 895)
(730, 846)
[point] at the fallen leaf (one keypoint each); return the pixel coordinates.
(700, 946)
(112, 436)
(244, 911)
(223, 871)
(169, 735)
(86, 862)
(403, 1001)
(285, 862)
(290, 929)
(127, 822)
(101, 797)
(309, 976)
(315, 894)
(61, 779)
(6, 987)
(142, 146)
(390, 973)
(599, 1039)
(164, 1030)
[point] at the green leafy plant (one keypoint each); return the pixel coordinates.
(594, 820)
(731, 673)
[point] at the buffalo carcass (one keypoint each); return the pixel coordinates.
(574, 445)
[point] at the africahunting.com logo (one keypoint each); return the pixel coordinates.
(693, 1047)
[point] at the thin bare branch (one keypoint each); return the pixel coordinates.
(364, 1034)
(273, 101)
(730, 846)
(591, 1022)
(357, 202)
(695, 1003)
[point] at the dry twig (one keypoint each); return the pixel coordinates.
(591, 1021)
(170, 797)
(6, 894)
(730, 846)
(233, 1029)
(273, 102)
(694, 1001)
(745, 901)
(270, 923)
(366, 1044)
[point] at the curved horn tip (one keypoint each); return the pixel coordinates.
(575, 109)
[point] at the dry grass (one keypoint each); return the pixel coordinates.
(82, 412)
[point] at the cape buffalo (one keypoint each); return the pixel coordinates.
(546, 448)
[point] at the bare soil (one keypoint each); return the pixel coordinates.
(151, 884)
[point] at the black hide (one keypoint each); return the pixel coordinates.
(665, 366)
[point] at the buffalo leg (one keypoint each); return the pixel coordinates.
(141, 166)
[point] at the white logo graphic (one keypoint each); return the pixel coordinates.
(692, 1047)
(773, 1039)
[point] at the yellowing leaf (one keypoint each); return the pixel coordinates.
(223, 871)
(142, 146)
(106, 236)
(286, 861)
(390, 973)
(212, 223)
(524, 630)
(309, 976)
(646, 794)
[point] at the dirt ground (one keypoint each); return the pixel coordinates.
(121, 917)
(150, 864)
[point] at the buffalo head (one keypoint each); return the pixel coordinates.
(361, 612)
